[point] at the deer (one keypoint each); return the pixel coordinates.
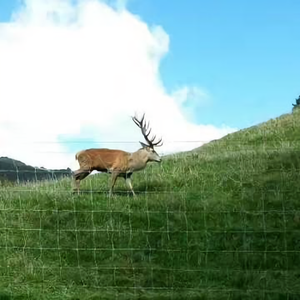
(118, 162)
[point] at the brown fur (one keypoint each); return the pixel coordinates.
(117, 162)
(103, 160)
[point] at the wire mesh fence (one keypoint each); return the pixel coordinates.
(203, 226)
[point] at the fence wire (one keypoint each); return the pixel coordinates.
(224, 231)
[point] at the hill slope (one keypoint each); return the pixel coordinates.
(16, 171)
(220, 222)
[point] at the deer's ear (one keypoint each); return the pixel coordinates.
(144, 145)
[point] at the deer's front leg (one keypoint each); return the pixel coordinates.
(129, 184)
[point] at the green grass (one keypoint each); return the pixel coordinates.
(220, 222)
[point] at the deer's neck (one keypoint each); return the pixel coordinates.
(138, 161)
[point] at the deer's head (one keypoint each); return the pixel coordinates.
(148, 147)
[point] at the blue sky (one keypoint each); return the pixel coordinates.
(6, 8)
(228, 65)
(245, 54)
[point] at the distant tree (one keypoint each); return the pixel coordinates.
(297, 105)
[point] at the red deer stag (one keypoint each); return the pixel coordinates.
(117, 162)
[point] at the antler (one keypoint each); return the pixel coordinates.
(146, 131)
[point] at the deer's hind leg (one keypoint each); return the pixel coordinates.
(78, 176)
(114, 177)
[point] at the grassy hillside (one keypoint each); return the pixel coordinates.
(219, 222)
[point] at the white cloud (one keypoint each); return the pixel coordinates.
(66, 67)
(190, 100)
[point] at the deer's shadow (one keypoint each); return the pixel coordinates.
(106, 193)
